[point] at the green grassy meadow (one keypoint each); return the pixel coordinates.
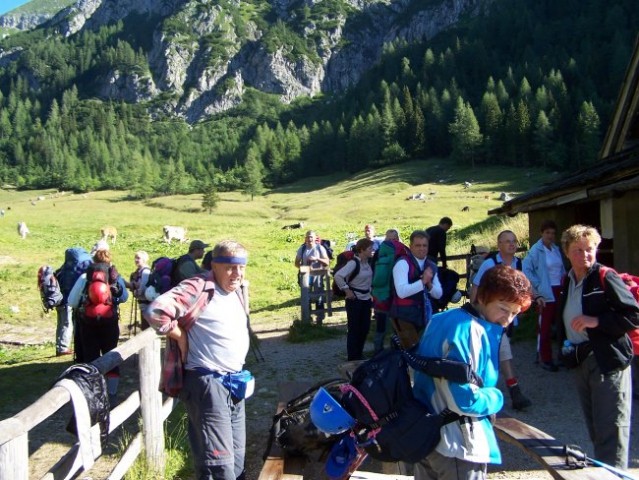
(334, 206)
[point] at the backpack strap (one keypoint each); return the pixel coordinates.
(354, 274)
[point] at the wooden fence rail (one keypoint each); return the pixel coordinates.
(14, 431)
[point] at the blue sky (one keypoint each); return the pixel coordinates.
(8, 5)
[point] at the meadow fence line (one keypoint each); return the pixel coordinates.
(14, 431)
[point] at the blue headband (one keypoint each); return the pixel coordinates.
(231, 260)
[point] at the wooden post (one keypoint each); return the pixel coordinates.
(305, 294)
(151, 405)
(14, 459)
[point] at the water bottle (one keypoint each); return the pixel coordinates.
(568, 348)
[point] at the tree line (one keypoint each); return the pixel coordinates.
(494, 90)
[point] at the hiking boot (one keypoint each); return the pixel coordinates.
(520, 402)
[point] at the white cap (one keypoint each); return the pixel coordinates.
(100, 245)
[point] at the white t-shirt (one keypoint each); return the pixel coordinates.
(219, 339)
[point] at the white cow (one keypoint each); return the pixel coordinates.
(23, 230)
(107, 232)
(177, 233)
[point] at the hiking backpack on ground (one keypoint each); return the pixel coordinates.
(342, 259)
(382, 286)
(391, 424)
(160, 278)
(97, 302)
(292, 428)
(632, 284)
(49, 288)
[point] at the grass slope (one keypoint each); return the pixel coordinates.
(333, 206)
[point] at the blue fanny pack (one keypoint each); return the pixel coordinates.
(240, 384)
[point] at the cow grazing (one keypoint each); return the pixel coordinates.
(293, 226)
(109, 232)
(466, 209)
(504, 197)
(174, 233)
(23, 230)
(467, 185)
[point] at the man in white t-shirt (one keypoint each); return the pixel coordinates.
(314, 255)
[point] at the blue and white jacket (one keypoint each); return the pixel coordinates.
(534, 267)
(458, 335)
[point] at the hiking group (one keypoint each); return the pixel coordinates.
(586, 307)
(441, 422)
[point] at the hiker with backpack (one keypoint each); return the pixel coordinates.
(595, 314)
(354, 279)
(76, 261)
(507, 247)
(138, 281)
(469, 334)
(314, 255)
(381, 316)
(186, 266)
(414, 283)
(544, 267)
(206, 323)
(96, 296)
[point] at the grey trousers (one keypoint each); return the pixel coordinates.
(64, 328)
(217, 428)
(438, 467)
(606, 401)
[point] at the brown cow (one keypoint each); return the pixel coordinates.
(107, 232)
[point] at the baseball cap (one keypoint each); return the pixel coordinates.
(197, 244)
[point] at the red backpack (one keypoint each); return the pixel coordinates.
(632, 284)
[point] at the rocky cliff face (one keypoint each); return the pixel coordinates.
(207, 77)
(23, 21)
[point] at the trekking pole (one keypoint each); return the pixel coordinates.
(577, 453)
(255, 346)
(131, 319)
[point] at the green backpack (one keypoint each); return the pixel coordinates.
(382, 287)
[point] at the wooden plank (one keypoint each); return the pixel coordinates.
(546, 450)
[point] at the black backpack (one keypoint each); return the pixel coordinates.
(392, 424)
(493, 257)
(292, 429)
(342, 259)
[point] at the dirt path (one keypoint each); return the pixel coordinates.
(555, 407)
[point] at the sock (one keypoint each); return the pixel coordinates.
(511, 382)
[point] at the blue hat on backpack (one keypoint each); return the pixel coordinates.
(328, 415)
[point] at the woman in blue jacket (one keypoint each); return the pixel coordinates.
(470, 334)
(544, 267)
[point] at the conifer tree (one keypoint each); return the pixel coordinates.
(210, 198)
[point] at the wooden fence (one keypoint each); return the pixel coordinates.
(14, 431)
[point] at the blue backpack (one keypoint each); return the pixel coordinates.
(76, 262)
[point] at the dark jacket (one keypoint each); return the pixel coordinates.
(617, 311)
(437, 244)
